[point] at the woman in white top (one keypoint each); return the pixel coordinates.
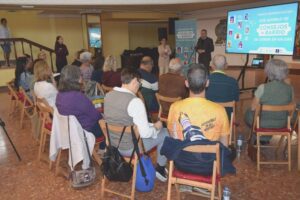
(44, 86)
(164, 52)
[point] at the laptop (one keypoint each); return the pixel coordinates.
(257, 62)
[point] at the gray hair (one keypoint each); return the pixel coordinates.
(85, 57)
(219, 61)
(276, 69)
(197, 76)
(69, 79)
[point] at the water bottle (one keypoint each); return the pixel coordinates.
(239, 145)
(226, 193)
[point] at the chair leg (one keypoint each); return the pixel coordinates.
(258, 151)
(22, 115)
(96, 157)
(134, 179)
(102, 188)
(289, 151)
(57, 164)
(169, 184)
(41, 146)
(219, 190)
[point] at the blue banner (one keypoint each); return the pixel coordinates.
(186, 38)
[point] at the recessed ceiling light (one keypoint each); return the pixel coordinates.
(27, 6)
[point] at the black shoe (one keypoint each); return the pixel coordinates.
(161, 173)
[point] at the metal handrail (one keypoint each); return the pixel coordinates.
(31, 44)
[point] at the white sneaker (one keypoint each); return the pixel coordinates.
(201, 190)
(161, 177)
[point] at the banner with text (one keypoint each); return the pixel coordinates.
(186, 38)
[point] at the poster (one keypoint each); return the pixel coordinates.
(186, 39)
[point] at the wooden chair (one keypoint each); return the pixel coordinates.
(118, 129)
(45, 111)
(14, 99)
(283, 132)
(163, 99)
(232, 127)
(106, 89)
(177, 177)
(100, 89)
(27, 106)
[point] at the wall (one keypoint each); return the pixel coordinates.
(208, 19)
(44, 29)
(145, 34)
(115, 38)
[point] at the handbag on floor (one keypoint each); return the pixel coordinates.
(84, 177)
(114, 167)
(146, 174)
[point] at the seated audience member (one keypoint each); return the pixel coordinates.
(274, 92)
(149, 84)
(86, 69)
(123, 107)
(98, 69)
(24, 73)
(42, 55)
(172, 84)
(222, 88)
(111, 77)
(44, 86)
(71, 101)
(210, 117)
(77, 61)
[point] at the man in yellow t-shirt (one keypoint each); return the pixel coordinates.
(209, 116)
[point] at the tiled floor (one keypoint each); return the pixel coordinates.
(30, 179)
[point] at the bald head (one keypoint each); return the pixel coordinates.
(219, 62)
(146, 63)
(175, 65)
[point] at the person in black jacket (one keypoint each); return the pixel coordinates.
(61, 52)
(204, 48)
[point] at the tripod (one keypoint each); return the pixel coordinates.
(2, 124)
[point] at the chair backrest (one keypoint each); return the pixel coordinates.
(99, 87)
(106, 89)
(11, 89)
(230, 104)
(43, 106)
(290, 108)
(26, 97)
(117, 129)
(163, 99)
(215, 149)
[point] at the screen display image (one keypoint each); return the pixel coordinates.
(95, 37)
(263, 30)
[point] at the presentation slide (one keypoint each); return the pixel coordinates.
(263, 30)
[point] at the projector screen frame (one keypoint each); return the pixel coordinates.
(245, 53)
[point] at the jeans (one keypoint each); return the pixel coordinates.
(150, 143)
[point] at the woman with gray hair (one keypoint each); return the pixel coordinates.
(274, 92)
(71, 101)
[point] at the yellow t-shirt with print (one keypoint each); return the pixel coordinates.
(209, 116)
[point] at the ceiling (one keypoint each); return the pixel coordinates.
(79, 6)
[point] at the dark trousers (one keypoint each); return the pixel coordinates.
(205, 62)
(96, 130)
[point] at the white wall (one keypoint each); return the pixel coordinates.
(208, 19)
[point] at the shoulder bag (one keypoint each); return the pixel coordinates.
(84, 177)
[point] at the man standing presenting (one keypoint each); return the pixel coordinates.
(4, 34)
(204, 48)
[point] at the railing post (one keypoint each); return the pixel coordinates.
(51, 61)
(22, 47)
(30, 46)
(15, 50)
